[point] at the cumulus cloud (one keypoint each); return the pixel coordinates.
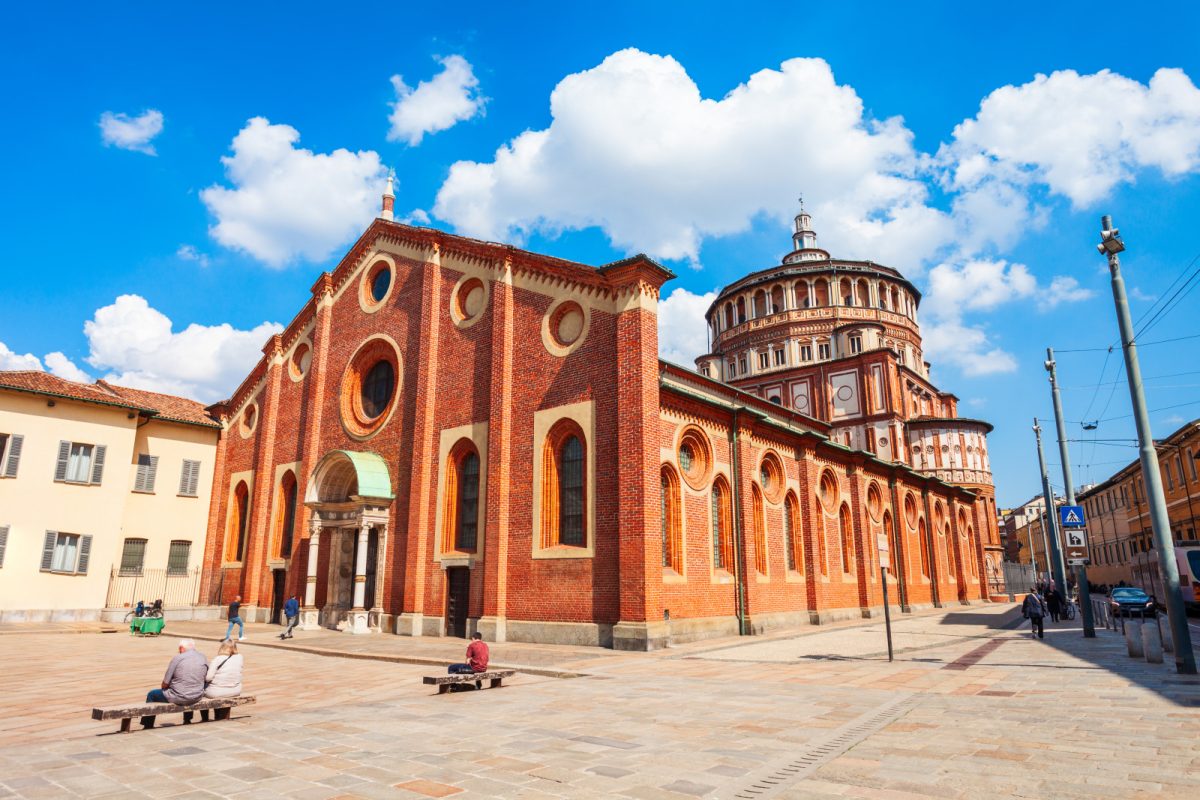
(288, 203)
(137, 346)
(131, 133)
(635, 149)
(58, 364)
(983, 285)
(682, 331)
(450, 97)
(1079, 135)
(187, 252)
(16, 361)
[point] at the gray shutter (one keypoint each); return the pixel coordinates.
(183, 476)
(98, 463)
(139, 483)
(194, 484)
(14, 456)
(189, 478)
(151, 473)
(48, 550)
(64, 453)
(3, 543)
(85, 552)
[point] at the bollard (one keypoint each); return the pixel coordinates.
(1133, 638)
(1152, 643)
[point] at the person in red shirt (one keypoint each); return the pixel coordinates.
(477, 657)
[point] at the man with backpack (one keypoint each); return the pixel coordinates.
(1034, 610)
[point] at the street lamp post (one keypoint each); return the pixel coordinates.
(1185, 660)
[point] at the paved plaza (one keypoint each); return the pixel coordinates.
(971, 707)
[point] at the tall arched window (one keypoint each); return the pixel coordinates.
(951, 553)
(971, 552)
(791, 537)
(239, 520)
(672, 545)
(460, 508)
(285, 516)
(760, 534)
(564, 486)
(923, 546)
(893, 542)
(722, 538)
(846, 530)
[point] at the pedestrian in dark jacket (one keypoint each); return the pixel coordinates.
(1034, 609)
(291, 610)
(1054, 604)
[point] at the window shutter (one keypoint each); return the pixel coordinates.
(60, 468)
(189, 480)
(98, 463)
(85, 552)
(3, 543)
(152, 473)
(139, 483)
(14, 456)
(183, 476)
(48, 550)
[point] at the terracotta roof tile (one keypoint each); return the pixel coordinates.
(163, 406)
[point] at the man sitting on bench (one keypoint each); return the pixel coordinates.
(183, 682)
(477, 657)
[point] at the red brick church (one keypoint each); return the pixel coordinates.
(455, 435)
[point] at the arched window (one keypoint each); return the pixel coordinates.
(846, 292)
(846, 531)
(821, 290)
(970, 549)
(722, 538)
(923, 546)
(239, 520)
(741, 310)
(777, 300)
(894, 543)
(791, 537)
(285, 516)
(460, 508)
(760, 534)
(564, 487)
(951, 553)
(672, 546)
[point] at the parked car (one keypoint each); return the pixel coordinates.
(1127, 601)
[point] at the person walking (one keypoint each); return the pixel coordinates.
(1034, 610)
(1054, 604)
(291, 610)
(235, 618)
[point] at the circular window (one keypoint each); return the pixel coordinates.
(844, 393)
(376, 285)
(801, 402)
(300, 361)
(695, 457)
(874, 503)
(249, 420)
(564, 327)
(883, 440)
(828, 492)
(770, 472)
(370, 386)
(468, 301)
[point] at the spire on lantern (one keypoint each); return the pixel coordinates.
(389, 197)
(804, 240)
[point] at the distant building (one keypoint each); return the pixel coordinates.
(104, 495)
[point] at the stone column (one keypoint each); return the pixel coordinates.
(375, 618)
(358, 615)
(310, 614)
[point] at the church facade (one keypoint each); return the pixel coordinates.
(455, 435)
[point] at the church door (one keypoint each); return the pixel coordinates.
(458, 581)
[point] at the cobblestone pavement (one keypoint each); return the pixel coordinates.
(970, 708)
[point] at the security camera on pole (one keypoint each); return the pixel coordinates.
(1185, 660)
(1085, 597)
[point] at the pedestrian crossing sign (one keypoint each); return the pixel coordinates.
(1071, 516)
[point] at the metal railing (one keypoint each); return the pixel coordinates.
(176, 588)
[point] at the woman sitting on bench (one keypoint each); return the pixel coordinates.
(224, 678)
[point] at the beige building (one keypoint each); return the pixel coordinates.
(104, 497)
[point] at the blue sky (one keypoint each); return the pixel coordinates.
(131, 250)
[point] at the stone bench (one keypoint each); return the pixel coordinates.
(219, 705)
(444, 682)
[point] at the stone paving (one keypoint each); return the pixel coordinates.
(969, 708)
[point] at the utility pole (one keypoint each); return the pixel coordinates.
(1054, 555)
(1085, 595)
(1185, 660)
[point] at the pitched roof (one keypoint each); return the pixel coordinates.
(162, 406)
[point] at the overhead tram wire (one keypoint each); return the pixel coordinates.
(1155, 312)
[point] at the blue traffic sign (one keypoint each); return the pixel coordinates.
(1071, 516)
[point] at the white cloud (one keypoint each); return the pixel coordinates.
(1079, 135)
(135, 343)
(58, 364)
(682, 331)
(187, 252)
(635, 149)
(131, 133)
(289, 203)
(15, 361)
(982, 285)
(450, 97)
(1137, 294)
